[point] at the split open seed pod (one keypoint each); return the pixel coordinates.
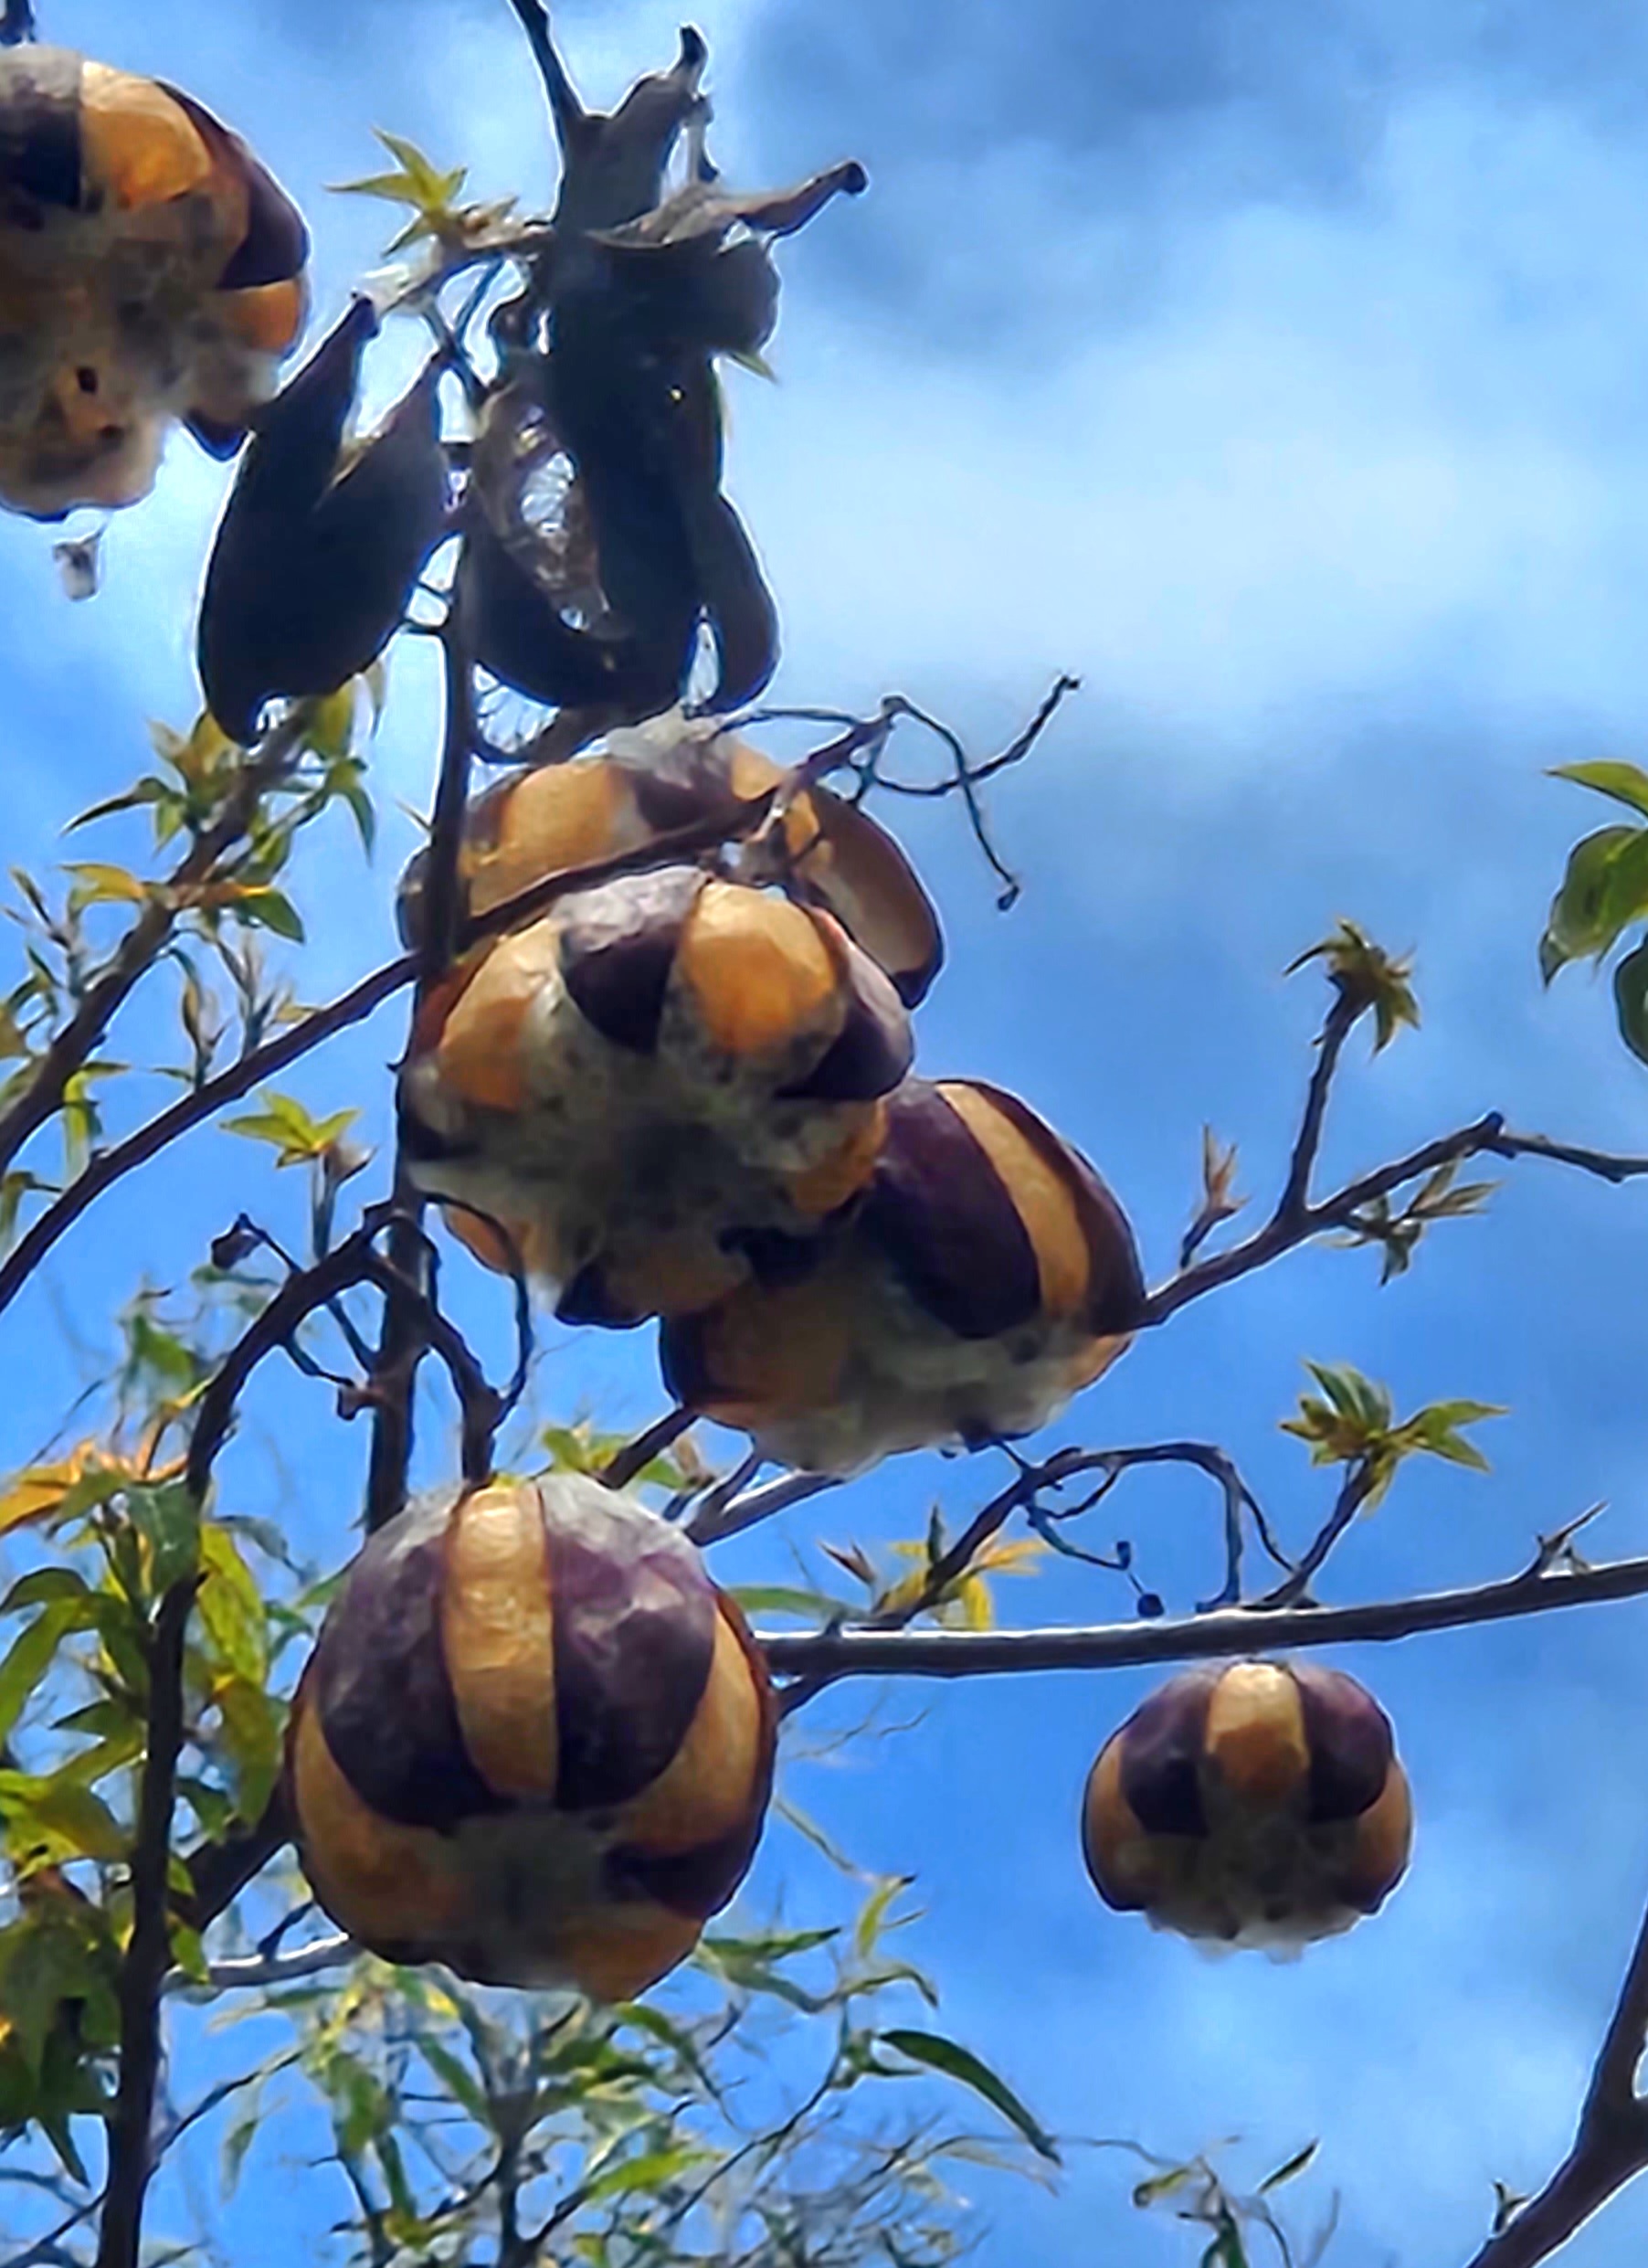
(533, 1740)
(678, 772)
(1251, 1802)
(650, 1079)
(986, 1275)
(151, 269)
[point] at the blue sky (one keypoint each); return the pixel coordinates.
(1277, 369)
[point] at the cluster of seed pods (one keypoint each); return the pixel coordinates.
(534, 1741)
(687, 1094)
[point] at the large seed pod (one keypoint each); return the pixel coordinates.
(151, 268)
(674, 773)
(658, 1073)
(1252, 1803)
(533, 1740)
(319, 547)
(987, 1275)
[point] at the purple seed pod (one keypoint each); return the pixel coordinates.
(533, 1740)
(1250, 1803)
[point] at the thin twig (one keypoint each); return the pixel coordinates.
(1486, 1136)
(142, 943)
(634, 1457)
(754, 1505)
(1295, 1589)
(191, 1110)
(1341, 1017)
(261, 1971)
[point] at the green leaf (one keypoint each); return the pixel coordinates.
(1295, 2166)
(653, 2169)
(284, 1123)
(265, 909)
(50, 1819)
(168, 1519)
(31, 1655)
(1631, 999)
(1604, 889)
(1626, 783)
(873, 1915)
(775, 1598)
(252, 1732)
(961, 2064)
(44, 1587)
(231, 1606)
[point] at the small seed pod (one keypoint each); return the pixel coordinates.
(1252, 1804)
(319, 546)
(151, 268)
(533, 1740)
(637, 1085)
(674, 773)
(987, 1275)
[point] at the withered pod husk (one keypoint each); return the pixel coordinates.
(534, 1741)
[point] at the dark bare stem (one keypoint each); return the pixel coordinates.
(219, 1872)
(401, 1342)
(829, 1654)
(571, 120)
(1611, 2147)
(1294, 1200)
(634, 1457)
(1294, 1590)
(754, 1505)
(148, 1950)
(140, 947)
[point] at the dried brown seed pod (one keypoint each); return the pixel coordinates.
(1250, 1803)
(319, 544)
(151, 269)
(986, 1275)
(533, 1740)
(659, 1071)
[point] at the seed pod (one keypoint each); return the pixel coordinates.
(151, 268)
(987, 1275)
(533, 1740)
(319, 547)
(656, 1073)
(1251, 1802)
(674, 773)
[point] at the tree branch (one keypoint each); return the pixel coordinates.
(826, 1655)
(1294, 1200)
(401, 1342)
(1609, 2149)
(1485, 1137)
(141, 946)
(148, 1950)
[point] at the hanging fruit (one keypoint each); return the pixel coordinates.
(151, 269)
(677, 772)
(662, 1076)
(533, 1740)
(986, 1275)
(1252, 1804)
